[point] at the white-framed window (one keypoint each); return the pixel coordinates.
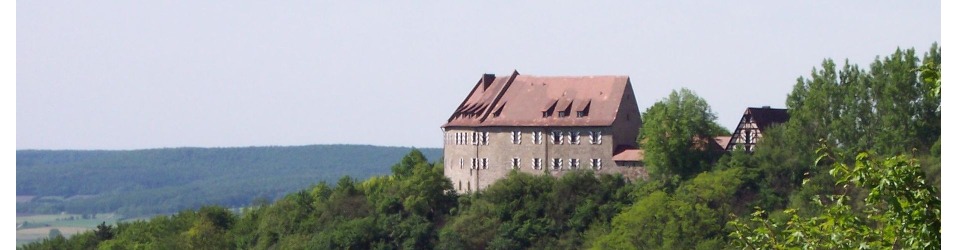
(596, 164)
(475, 163)
(595, 137)
(485, 138)
(537, 164)
(516, 137)
(556, 163)
(485, 163)
(574, 137)
(537, 137)
(556, 137)
(515, 163)
(475, 138)
(573, 163)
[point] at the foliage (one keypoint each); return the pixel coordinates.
(901, 210)
(676, 133)
(690, 218)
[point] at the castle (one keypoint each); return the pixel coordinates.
(552, 125)
(540, 125)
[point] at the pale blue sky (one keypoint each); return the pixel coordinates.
(147, 74)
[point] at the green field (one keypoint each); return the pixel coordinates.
(37, 227)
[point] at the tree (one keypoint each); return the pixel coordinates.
(901, 210)
(103, 232)
(676, 134)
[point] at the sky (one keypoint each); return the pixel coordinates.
(153, 74)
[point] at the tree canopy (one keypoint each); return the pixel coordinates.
(675, 135)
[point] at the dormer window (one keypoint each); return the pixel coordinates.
(545, 114)
(563, 113)
(579, 113)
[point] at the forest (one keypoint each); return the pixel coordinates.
(856, 166)
(163, 181)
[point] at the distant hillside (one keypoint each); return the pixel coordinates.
(150, 181)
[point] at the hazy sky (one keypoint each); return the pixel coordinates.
(147, 74)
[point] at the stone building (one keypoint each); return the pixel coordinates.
(750, 128)
(542, 124)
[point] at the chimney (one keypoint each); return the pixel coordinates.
(766, 107)
(487, 80)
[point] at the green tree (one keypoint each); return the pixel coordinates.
(901, 210)
(676, 133)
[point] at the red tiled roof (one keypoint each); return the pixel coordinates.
(523, 99)
(722, 141)
(628, 154)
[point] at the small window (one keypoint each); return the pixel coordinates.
(475, 138)
(537, 137)
(556, 137)
(475, 163)
(573, 164)
(545, 114)
(460, 163)
(485, 138)
(563, 113)
(517, 137)
(485, 163)
(515, 163)
(556, 163)
(595, 137)
(580, 114)
(574, 139)
(537, 164)
(596, 164)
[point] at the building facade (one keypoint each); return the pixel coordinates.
(542, 125)
(750, 128)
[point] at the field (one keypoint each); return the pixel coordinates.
(37, 227)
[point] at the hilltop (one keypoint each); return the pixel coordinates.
(153, 181)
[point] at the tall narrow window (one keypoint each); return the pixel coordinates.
(485, 138)
(475, 163)
(556, 137)
(537, 137)
(573, 164)
(574, 139)
(515, 163)
(485, 163)
(556, 163)
(475, 138)
(537, 164)
(460, 163)
(516, 137)
(596, 164)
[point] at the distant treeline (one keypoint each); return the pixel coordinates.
(152, 181)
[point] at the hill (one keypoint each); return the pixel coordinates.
(151, 181)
